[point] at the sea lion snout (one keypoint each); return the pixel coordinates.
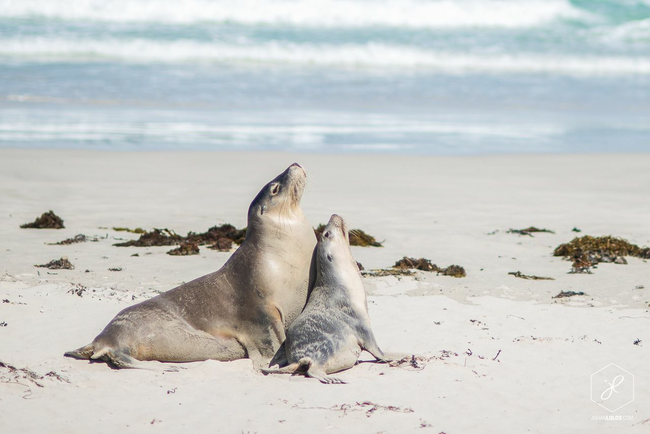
(295, 167)
(335, 224)
(336, 220)
(294, 178)
(281, 195)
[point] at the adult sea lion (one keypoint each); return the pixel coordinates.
(241, 310)
(334, 327)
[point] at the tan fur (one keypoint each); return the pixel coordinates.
(241, 310)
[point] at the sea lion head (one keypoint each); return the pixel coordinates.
(279, 200)
(334, 247)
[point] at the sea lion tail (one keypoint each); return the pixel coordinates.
(85, 352)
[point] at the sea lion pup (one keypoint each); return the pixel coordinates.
(334, 327)
(241, 310)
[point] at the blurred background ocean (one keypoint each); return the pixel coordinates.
(446, 77)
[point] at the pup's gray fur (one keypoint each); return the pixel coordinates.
(334, 328)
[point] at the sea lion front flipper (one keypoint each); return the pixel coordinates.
(253, 353)
(280, 358)
(277, 322)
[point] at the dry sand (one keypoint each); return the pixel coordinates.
(497, 353)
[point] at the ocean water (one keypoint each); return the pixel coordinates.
(444, 77)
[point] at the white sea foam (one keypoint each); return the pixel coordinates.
(379, 57)
(94, 129)
(309, 13)
(632, 31)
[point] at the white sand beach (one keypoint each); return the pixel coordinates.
(495, 353)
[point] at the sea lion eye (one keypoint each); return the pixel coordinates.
(326, 234)
(275, 189)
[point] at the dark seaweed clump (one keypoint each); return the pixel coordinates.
(218, 237)
(397, 272)
(133, 231)
(601, 246)
(58, 264)
(454, 271)
(81, 238)
(156, 237)
(424, 264)
(185, 249)
(520, 275)
(48, 220)
(564, 294)
(529, 231)
(222, 245)
(78, 290)
(357, 237)
(588, 251)
(360, 238)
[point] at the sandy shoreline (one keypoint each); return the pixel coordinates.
(446, 209)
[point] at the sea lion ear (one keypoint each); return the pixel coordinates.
(262, 209)
(329, 257)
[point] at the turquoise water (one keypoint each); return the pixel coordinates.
(400, 76)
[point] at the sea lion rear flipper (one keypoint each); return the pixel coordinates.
(117, 358)
(289, 369)
(317, 372)
(301, 366)
(311, 369)
(121, 360)
(372, 347)
(84, 352)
